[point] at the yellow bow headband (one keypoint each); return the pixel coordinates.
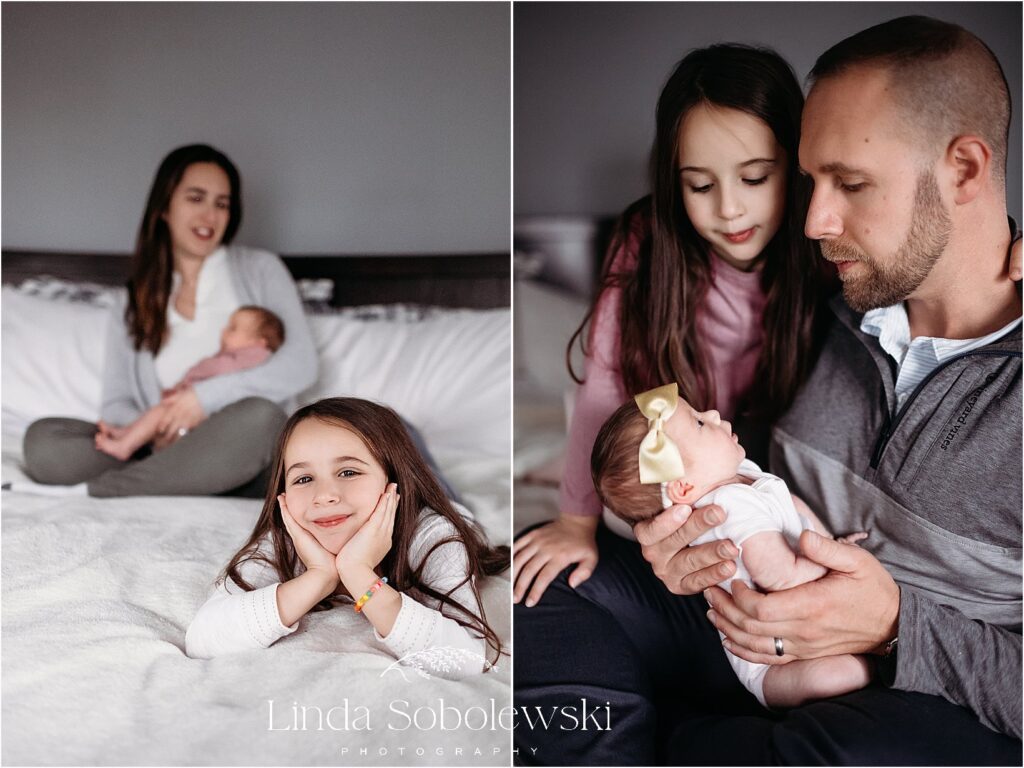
(660, 461)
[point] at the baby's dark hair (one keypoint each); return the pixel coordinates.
(270, 329)
(615, 467)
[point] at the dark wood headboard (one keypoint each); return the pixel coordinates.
(465, 280)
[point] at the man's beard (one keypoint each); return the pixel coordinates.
(898, 276)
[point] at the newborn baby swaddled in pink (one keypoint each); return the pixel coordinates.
(252, 335)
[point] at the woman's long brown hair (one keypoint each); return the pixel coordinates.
(660, 297)
(149, 287)
(388, 441)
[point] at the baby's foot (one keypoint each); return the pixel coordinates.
(119, 449)
(804, 680)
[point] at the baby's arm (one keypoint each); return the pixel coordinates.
(773, 565)
(819, 527)
(803, 509)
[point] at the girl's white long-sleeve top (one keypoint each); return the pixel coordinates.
(233, 620)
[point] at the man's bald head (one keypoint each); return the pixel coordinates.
(944, 81)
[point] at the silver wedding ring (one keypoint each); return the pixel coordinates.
(182, 432)
(778, 647)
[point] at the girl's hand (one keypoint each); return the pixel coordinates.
(543, 553)
(310, 551)
(182, 411)
(372, 541)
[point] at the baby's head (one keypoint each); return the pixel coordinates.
(252, 326)
(691, 454)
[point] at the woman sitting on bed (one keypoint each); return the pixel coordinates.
(186, 282)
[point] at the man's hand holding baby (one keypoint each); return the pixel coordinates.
(853, 609)
(665, 544)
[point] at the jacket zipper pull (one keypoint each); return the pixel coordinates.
(883, 438)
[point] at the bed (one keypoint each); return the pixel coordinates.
(98, 593)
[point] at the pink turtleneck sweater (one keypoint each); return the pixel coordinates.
(730, 321)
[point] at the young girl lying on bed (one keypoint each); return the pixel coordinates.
(252, 335)
(354, 516)
(659, 451)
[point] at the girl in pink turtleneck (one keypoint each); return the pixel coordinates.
(709, 281)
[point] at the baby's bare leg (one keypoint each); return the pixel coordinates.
(796, 683)
(135, 435)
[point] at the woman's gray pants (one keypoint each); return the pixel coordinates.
(229, 452)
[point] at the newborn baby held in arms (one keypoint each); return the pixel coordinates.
(252, 335)
(658, 451)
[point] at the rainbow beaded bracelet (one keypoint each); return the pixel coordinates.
(370, 593)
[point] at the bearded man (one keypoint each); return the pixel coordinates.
(910, 424)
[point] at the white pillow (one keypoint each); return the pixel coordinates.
(448, 373)
(52, 358)
(546, 317)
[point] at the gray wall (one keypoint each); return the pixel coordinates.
(373, 128)
(588, 75)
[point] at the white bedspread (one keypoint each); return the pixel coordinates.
(98, 593)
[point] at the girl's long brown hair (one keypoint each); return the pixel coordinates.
(662, 292)
(388, 441)
(149, 287)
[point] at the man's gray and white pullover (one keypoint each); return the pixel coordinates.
(937, 483)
